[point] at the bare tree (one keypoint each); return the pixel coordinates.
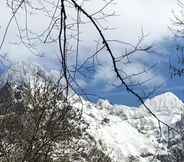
(36, 122)
(39, 124)
(66, 18)
(177, 28)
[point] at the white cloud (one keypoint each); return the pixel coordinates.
(148, 78)
(151, 15)
(154, 16)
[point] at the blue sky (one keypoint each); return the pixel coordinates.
(153, 17)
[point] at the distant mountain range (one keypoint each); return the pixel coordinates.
(128, 134)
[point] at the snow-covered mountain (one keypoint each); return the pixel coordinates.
(129, 134)
(132, 134)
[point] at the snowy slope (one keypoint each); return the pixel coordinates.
(131, 134)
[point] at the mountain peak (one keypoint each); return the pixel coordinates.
(165, 102)
(168, 95)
